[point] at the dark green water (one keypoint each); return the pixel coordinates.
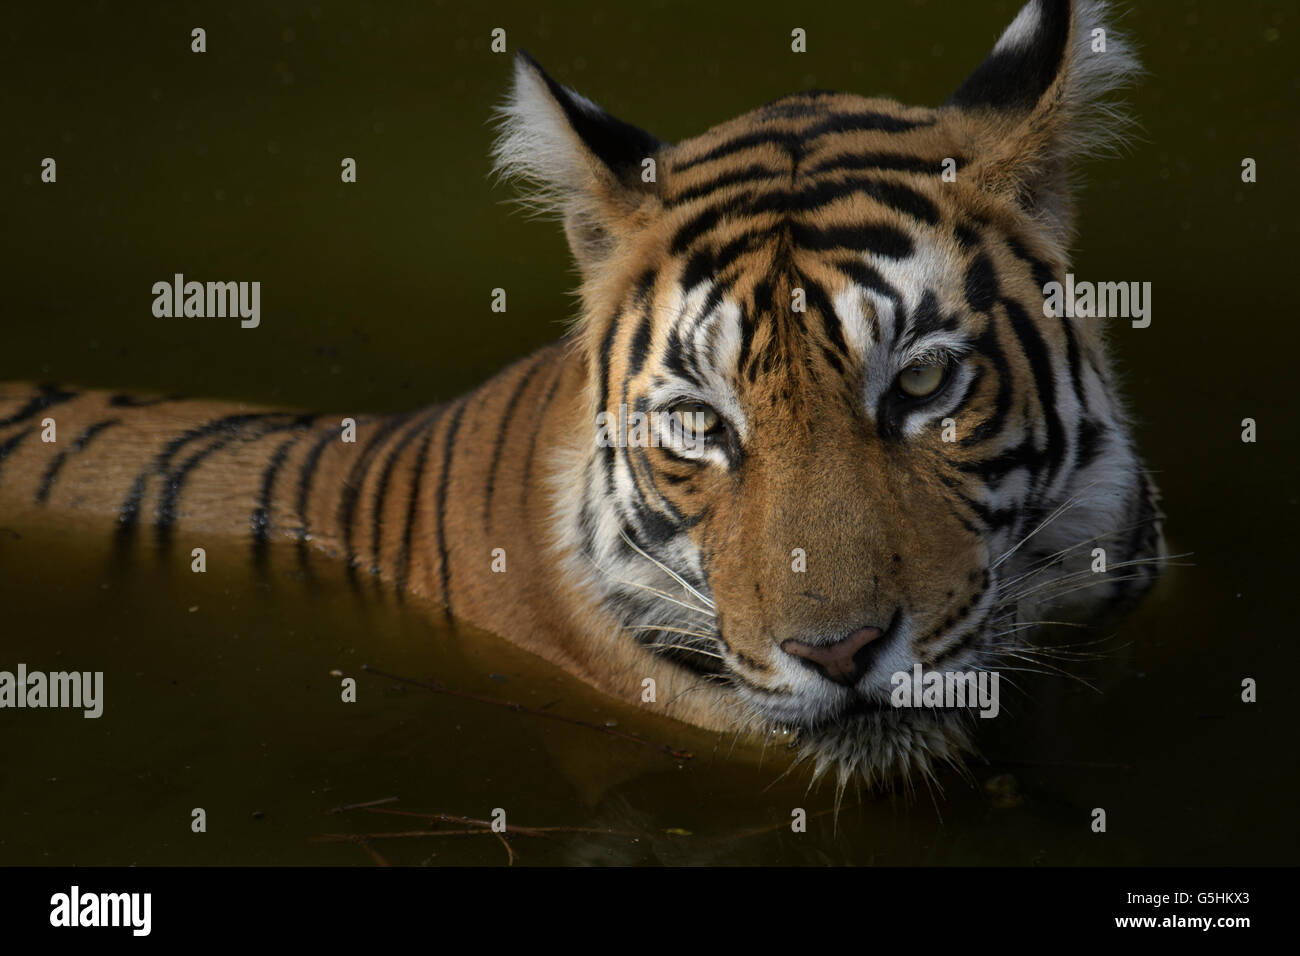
(376, 296)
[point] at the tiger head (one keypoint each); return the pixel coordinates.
(847, 437)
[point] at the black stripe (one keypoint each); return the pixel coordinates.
(994, 469)
(84, 439)
(818, 299)
(698, 268)
(356, 480)
(926, 319)
(896, 196)
(807, 201)
(725, 256)
(1040, 364)
(990, 348)
(174, 480)
(403, 570)
(606, 352)
(46, 397)
(440, 508)
(783, 139)
(747, 327)
(755, 173)
(709, 263)
(123, 400)
(654, 526)
(129, 511)
(503, 429)
(645, 473)
(640, 348)
(640, 294)
(532, 438)
(880, 240)
(867, 277)
(260, 519)
(967, 236)
(13, 442)
(306, 474)
(679, 359)
(423, 426)
(856, 161)
(833, 360)
(1043, 274)
(795, 142)
(981, 284)
(705, 219)
(863, 123)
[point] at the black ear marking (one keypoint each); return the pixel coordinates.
(620, 146)
(1025, 61)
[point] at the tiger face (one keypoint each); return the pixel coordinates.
(870, 448)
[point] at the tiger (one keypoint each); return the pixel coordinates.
(879, 452)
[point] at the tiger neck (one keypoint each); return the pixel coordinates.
(491, 474)
(508, 501)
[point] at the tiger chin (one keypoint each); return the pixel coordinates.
(872, 449)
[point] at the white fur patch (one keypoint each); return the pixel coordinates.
(536, 147)
(1020, 33)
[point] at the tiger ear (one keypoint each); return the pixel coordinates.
(573, 160)
(1040, 100)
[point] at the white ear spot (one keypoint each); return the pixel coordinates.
(1020, 32)
(536, 147)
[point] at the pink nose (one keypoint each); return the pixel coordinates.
(841, 661)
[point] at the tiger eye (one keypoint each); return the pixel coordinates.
(921, 380)
(696, 417)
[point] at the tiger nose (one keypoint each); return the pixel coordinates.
(844, 661)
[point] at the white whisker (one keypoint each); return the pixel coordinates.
(667, 570)
(1060, 510)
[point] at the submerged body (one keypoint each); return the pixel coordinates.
(423, 500)
(897, 458)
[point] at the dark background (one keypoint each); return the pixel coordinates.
(375, 296)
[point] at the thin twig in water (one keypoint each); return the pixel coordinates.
(510, 861)
(510, 828)
(363, 806)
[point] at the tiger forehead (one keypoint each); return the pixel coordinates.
(822, 190)
(787, 149)
(824, 227)
(798, 131)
